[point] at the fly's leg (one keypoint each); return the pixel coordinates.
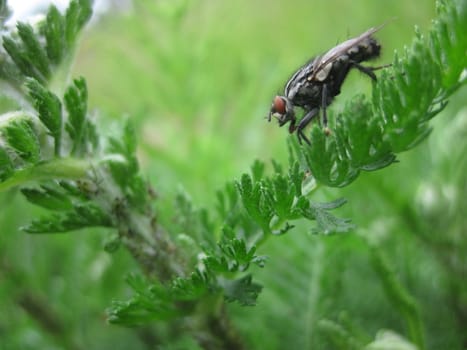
(324, 96)
(303, 123)
(292, 127)
(368, 70)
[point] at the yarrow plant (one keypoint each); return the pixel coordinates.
(52, 151)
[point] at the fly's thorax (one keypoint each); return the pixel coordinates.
(309, 94)
(299, 78)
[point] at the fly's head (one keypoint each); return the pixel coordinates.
(282, 110)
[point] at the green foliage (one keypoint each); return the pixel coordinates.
(126, 147)
(50, 111)
(48, 197)
(6, 166)
(327, 223)
(243, 290)
(339, 335)
(368, 135)
(29, 61)
(76, 103)
(400, 298)
(82, 216)
(198, 260)
(21, 137)
(73, 209)
(76, 16)
(274, 200)
(53, 32)
(36, 52)
(156, 301)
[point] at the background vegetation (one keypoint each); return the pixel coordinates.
(196, 78)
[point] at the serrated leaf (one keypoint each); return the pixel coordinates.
(76, 104)
(158, 302)
(124, 172)
(154, 301)
(35, 54)
(219, 264)
(277, 167)
(228, 205)
(256, 199)
(50, 224)
(242, 290)
(257, 170)
(76, 16)
(284, 196)
(361, 136)
(48, 105)
(6, 165)
(20, 59)
(20, 135)
(129, 141)
(330, 205)
(239, 256)
(296, 176)
(82, 216)
(71, 188)
(327, 160)
(138, 195)
(326, 223)
(380, 163)
(139, 311)
(48, 197)
(283, 230)
(192, 221)
(191, 288)
(54, 30)
(34, 51)
(49, 108)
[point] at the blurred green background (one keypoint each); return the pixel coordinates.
(197, 78)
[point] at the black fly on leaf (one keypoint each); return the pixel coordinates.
(315, 84)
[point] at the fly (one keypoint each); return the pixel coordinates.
(314, 85)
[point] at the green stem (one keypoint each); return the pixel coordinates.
(57, 144)
(60, 168)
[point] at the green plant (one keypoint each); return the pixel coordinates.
(54, 153)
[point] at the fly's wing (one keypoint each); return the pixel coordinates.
(337, 51)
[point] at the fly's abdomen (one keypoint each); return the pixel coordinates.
(365, 50)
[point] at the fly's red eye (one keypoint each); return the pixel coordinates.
(278, 105)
